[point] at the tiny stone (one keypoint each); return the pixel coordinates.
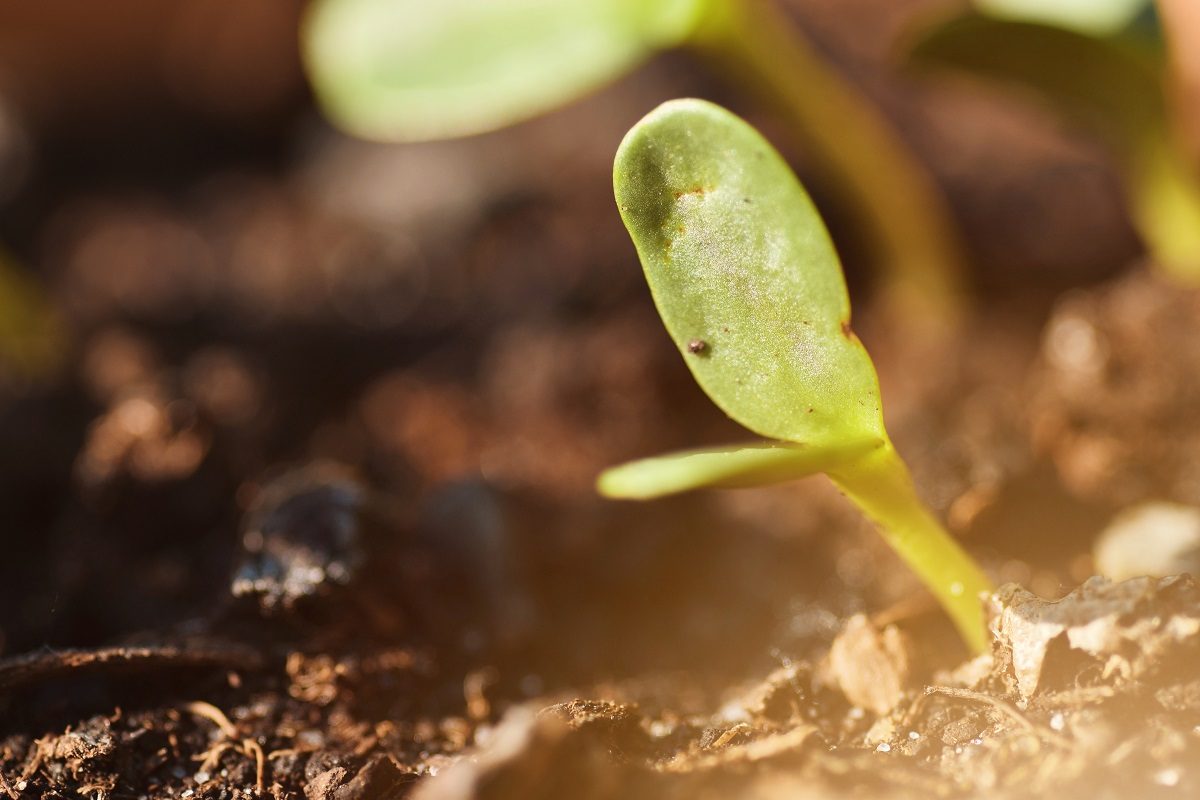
(977, 741)
(1058, 721)
(1156, 539)
(883, 747)
(913, 735)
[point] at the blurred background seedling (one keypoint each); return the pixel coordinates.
(1106, 69)
(403, 70)
(750, 288)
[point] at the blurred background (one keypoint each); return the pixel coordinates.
(209, 284)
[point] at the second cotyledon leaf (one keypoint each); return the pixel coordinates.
(746, 278)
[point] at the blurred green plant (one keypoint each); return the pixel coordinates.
(1096, 17)
(750, 289)
(1114, 85)
(31, 334)
(410, 70)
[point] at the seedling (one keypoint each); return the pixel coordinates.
(750, 289)
(1112, 83)
(412, 70)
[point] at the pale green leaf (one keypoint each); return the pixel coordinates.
(736, 466)
(408, 70)
(1087, 16)
(745, 276)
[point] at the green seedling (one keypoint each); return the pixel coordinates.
(413, 70)
(750, 289)
(1113, 84)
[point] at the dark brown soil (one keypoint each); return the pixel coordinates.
(307, 509)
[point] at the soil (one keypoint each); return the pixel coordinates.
(306, 511)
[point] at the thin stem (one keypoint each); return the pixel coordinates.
(1165, 196)
(880, 485)
(906, 211)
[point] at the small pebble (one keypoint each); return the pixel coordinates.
(913, 735)
(883, 747)
(1058, 721)
(1156, 539)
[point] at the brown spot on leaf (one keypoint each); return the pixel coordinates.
(696, 190)
(846, 329)
(697, 346)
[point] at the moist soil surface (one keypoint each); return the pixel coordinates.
(305, 510)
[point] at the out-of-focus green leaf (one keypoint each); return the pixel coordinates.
(1088, 16)
(409, 70)
(1109, 86)
(730, 467)
(1114, 89)
(745, 277)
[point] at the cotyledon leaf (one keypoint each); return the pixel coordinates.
(730, 467)
(411, 70)
(745, 277)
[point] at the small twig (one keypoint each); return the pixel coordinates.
(1005, 708)
(979, 697)
(214, 715)
(211, 757)
(8, 789)
(729, 735)
(251, 747)
(39, 755)
(229, 733)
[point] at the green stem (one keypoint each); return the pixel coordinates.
(906, 212)
(880, 485)
(1165, 196)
